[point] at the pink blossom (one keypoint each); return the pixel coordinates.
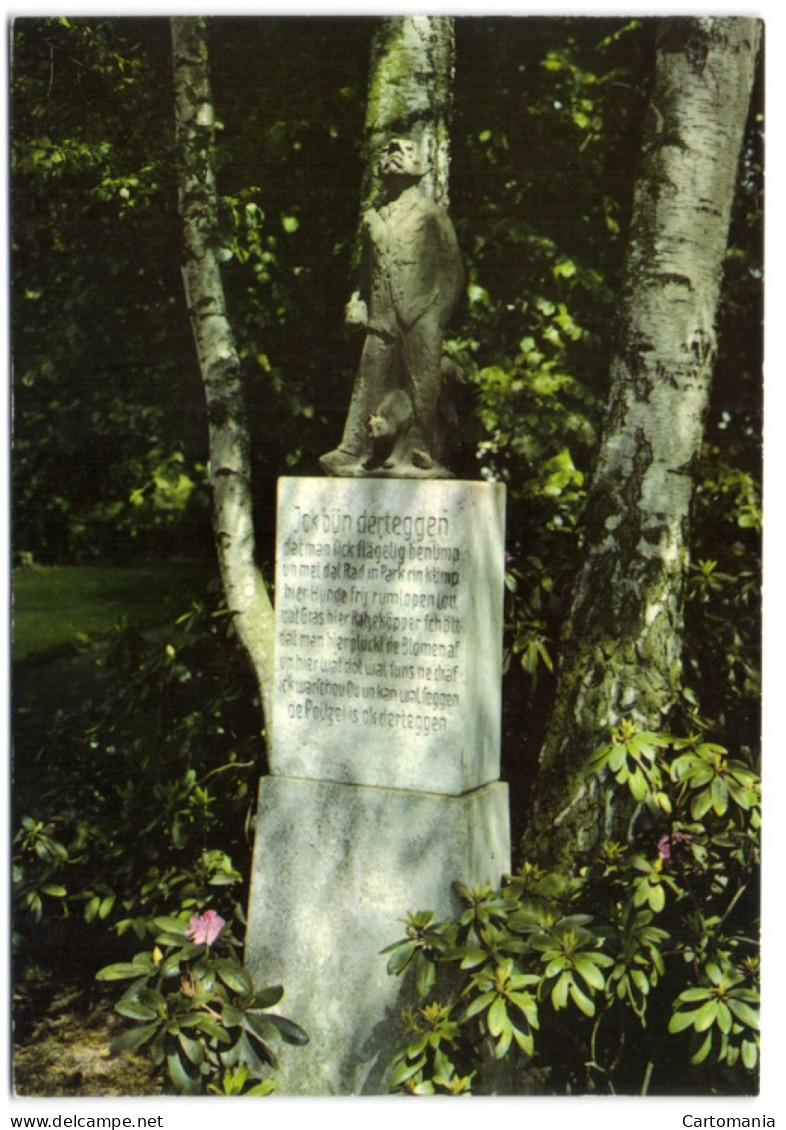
(665, 844)
(203, 929)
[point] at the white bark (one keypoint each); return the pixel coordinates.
(623, 640)
(410, 95)
(244, 587)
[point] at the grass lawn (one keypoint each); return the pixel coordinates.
(60, 606)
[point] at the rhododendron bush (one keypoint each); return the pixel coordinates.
(641, 963)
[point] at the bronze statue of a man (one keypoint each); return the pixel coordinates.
(410, 280)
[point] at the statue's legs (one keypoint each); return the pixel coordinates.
(422, 350)
(375, 377)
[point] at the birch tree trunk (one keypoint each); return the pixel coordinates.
(622, 650)
(410, 95)
(230, 480)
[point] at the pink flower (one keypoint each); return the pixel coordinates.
(665, 844)
(203, 929)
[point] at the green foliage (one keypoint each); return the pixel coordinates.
(541, 237)
(542, 249)
(426, 1066)
(596, 979)
(723, 624)
(541, 183)
(56, 608)
(197, 1010)
(148, 792)
(97, 318)
(102, 345)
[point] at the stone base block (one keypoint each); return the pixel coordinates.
(336, 869)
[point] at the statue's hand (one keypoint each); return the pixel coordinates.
(356, 312)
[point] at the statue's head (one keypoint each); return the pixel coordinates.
(401, 158)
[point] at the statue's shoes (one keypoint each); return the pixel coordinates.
(422, 460)
(340, 463)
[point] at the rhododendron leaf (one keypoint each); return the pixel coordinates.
(190, 1019)
(213, 1028)
(183, 1079)
(473, 957)
(230, 1057)
(167, 938)
(724, 1018)
(640, 981)
(720, 795)
(581, 1000)
(750, 1054)
(290, 1032)
(589, 971)
(122, 970)
(261, 1026)
(682, 1020)
(498, 1020)
(266, 1087)
(235, 977)
(656, 897)
(751, 995)
(266, 998)
(559, 994)
(524, 1041)
(132, 1039)
(248, 1055)
(157, 1052)
(425, 975)
(744, 1012)
(192, 1049)
(406, 1070)
(556, 965)
(526, 1004)
(479, 1004)
(638, 785)
(135, 1010)
(171, 926)
(106, 906)
(706, 1016)
(401, 957)
(232, 1017)
(170, 966)
(703, 1051)
(696, 994)
(503, 1043)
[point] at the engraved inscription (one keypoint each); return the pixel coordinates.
(370, 614)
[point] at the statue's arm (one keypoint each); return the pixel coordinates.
(356, 310)
(452, 267)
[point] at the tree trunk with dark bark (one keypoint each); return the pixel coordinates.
(230, 477)
(622, 649)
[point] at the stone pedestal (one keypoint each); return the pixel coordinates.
(384, 756)
(336, 869)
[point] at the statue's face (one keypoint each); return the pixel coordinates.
(400, 158)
